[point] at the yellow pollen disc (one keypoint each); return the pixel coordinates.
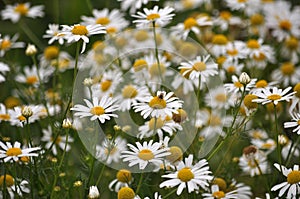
(189, 23)
(21, 118)
(124, 176)
(111, 30)
(274, 97)
(176, 154)
(214, 120)
(120, 41)
(232, 52)
(242, 111)
(261, 84)
(153, 16)
(225, 15)
(231, 69)
(293, 177)
(25, 159)
(292, 43)
(51, 52)
(218, 194)
(31, 79)
(11, 102)
(298, 122)
(270, 107)
(221, 97)
(297, 89)
(126, 193)
(57, 141)
(248, 101)
(146, 154)
(5, 44)
(287, 68)
(242, 1)
(285, 25)
(253, 43)
(267, 146)
(187, 3)
(221, 60)
(141, 35)
(111, 151)
(13, 151)
(252, 164)
(4, 117)
(199, 66)
(185, 174)
(103, 21)
(139, 64)
(105, 85)
(129, 92)
(9, 180)
(21, 8)
(260, 57)
(220, 39)
(221, 183)
(257, 135)
(157, 103)
(187, 49)
(257, 19)
(156, 70)
(79, 30)
(238, 84)
(97, 110)
(156, 124)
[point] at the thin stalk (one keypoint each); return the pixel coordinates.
(277, 137)
(170, 193)
(65, 149)
(140, 183)
(292, 151)
(156, 52)
(89, 4)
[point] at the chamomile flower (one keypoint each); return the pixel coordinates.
(255, 49)
(53, 33)
(147, 154)
(267, 145)
(189, 176)
(123, 179)
(235, 50)
(262, 84)
(218, 45)
(100, 109)
(249, 6)
(273, 95)
(4, 116)
(236, 86)
(291, 49)
(217, 193)
(288, 74)
(295, 123)
(225, 19)
(183, 82)
(201, 68)
(19, 188)
(3, 69)
(219, 98)
(15, 12)
(295, 99)
(8, 43)
(80, 32)
(161, 105)
(31, 76)
(158, 16)
(133, 5)
(232, 67)
(10, 153)
(17, 118)
(292, 184)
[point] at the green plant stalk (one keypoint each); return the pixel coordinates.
(277, 137)
(140, 183)
(156, 51)
(169, 194)
(292, 151)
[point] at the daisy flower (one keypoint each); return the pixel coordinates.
(292, 184)
(273, 95)
(158, 16)
(4, 116)
(53, 34)
(218, 45)
(147, 154)
(291, 49)
(183, 82)
(31, 76)
(20, 187)
(258, 51)
(100, 109)
(225, 19)
(133, 5)
(295, 99)
(267, 145)
(8, 43)
(161, 105)
(217, 193)
(17, 118)
(15, 12)
(80, 32)
(219, 98)
(59, 141)
(236, 86)
(249, 7)
(235, 50)
(201, 68)
(232, 67)
(123, 179)
(3, 69)
(9, 152)
(288, 74)
(262, 84)
(295, 123)
(189, 176)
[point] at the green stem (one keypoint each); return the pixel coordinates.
(76, 62)
(140, 183)
(31, 35)
(292, 151)
(277, 137)
(65, 149)
(101, 173)
(170, 193)
(156, 52)
(89, 4)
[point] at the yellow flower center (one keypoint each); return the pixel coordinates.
(221, 60)
(31, 79)
(13, 151)
(105, 85)
(252, 164)
(124, 176)
(189, 23)
(11, 102)
(253, 44)
(261, 84)
(298, 122)
(238, 84)
(146, 154)
(267, 145)
(139, 64)
(21, 118)
(257, 135)
(157, 102)
(156, 70)
(97, 110)
(111, 30)
(214, 120)
(242, 1)
(231, 69)
(141, 35)
(25, 159)
(187, 3)
(292, 43)
(51, 52)
(103, 21)
(297, 89)
(257, 19)
(5, 44)
(199, 66)
(21, 9)
(153, 16)
(126, 193)
(293, 177)
(79, 30)
(9, 180)
(285, 25)
(220, 39)
(287, 68)
(5, 117)
(221, 97)
(232, 52)
(274, 97)
(57, 141)
(248, 101)
(221, 183)
(129, 92)
(260, 57)
(225, 15)
(156, 123)
(218, 194)
(185, 174)
(176, 154)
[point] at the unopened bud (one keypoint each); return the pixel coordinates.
(30, 50)
(67, 124)
(93, 192)
(27, 112)
(88, 81)
(244, 78)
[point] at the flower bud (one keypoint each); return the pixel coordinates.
(67, 124)
(27, 112)
(94, 192)
(30, 50)
(244, 78)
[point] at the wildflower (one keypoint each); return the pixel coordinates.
(295, 98)
(217, 193)
(123, 179)
(31, 76)
(66, 123)
(93, 192)
(238, 86)
(7, 43)
(3, 69)
(226, 19)
(288, 74)
(100, 109)
(54, 34)
(126, 193)
(189, 176)
(4, 116)
(295, 123)
(31, 50)
(133, 5)
(148, 153)
(17, 118)
(244, 78)
(219, 98)
(11, 186)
